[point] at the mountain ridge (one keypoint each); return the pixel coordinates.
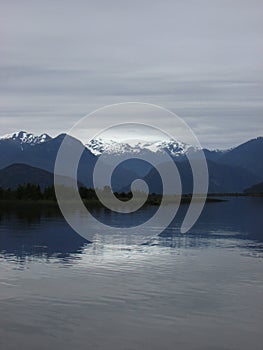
(229, 169)
(22, 174)
(24, 137)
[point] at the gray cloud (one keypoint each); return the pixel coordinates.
(200, 59)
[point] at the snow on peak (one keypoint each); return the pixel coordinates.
(24, 137)
(175, 148)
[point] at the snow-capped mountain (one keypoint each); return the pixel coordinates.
(229, 171)
(174, 148)
(24, 137)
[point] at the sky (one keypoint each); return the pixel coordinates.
(60, 60)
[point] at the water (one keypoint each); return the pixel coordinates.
(202, 290)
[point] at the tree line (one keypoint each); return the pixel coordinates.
(34, 192)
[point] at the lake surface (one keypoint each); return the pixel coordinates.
(200, 290)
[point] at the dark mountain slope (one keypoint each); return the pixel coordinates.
(222, 178)
(258, 188)
(21, 174)
(249, 156)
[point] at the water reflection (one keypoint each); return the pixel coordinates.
(39, 231)
(238, 222)
(201, 290)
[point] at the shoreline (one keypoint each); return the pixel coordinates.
(152, 199)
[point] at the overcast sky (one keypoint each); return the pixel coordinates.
(60, 60)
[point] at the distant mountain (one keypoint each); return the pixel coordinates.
(174, 148)
(258, 188)
(152, 151)
(249, 156)
(229, 178)
(222, 178)
(229, 171)
(43, 155)
(213, 155)
(21, 174)
(25, 138)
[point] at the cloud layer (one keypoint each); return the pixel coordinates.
(203, 60)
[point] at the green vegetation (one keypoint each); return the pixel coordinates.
(33, 193)
(28, 192)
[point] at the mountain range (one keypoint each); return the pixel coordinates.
(257, 188)
(230, 170)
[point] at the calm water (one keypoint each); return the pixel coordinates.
(201, 290)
